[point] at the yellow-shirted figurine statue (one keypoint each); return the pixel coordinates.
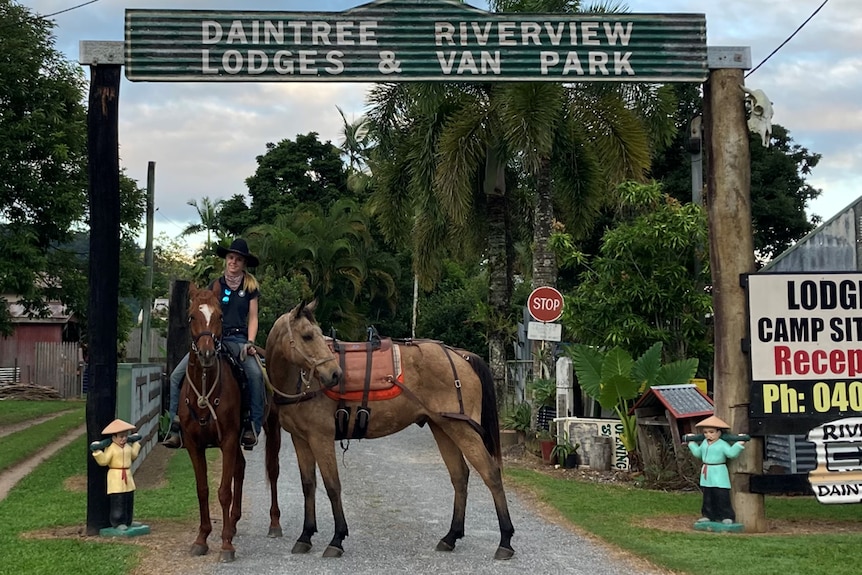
(117, 454)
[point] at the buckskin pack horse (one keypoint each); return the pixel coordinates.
(425, 382)
(209, 412)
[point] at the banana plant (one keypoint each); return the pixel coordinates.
(615, 380)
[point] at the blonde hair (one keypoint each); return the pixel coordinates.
(250, 283)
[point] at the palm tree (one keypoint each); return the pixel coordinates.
(208, 215)
(442, 156)
(356, 146)
(440, 185)
(334, 253)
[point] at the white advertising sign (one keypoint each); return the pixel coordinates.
(544, 331)
(806, 326)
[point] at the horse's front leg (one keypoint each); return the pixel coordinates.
(324, 448)
(308, 479)
(199, 464)
(273, 469)
(459, 474)
(230, 495)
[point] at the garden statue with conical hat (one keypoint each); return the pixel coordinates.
(714, 452)
(117, 454)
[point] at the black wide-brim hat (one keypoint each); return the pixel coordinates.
(238, 246)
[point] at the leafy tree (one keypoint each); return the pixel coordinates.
(235, 216)
(335, 254)
(449, 313)
(780, 192)
(291, 173)
(43, 138)
(170, 262)
(642, 287)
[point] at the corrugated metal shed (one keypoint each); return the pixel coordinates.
(833, 247)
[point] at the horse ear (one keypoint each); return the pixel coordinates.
(305, 305)
(193, 290)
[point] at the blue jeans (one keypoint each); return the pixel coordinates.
(253, 374)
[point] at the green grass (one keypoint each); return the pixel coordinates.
(14, 411)
(621, 515)
(40, 502)
(18, 446)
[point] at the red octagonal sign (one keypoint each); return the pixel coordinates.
(545, 304)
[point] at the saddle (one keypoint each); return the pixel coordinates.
(371, 371)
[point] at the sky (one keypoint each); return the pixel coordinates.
(205, 136)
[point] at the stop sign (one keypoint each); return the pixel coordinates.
(545, 304)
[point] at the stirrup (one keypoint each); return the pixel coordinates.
(174, 440)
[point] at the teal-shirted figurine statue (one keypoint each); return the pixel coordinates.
(717, 510)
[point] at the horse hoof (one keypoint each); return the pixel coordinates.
(275, 532)
(197, 550)
(227, 557)
(301, 547)
(504, 553)
(333, 551)
(443, 546)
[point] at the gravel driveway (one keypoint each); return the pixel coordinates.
(398, 502)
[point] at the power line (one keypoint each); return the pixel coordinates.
(801, 26)
(70, 9)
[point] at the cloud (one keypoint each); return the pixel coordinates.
(205, 137)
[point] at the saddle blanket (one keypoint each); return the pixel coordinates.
(385, 370)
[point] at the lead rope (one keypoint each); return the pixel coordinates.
(203, 401)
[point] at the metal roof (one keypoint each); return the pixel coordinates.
(682, 401)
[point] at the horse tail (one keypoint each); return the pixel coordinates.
(490, 422)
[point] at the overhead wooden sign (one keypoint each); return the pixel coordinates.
(412, 40)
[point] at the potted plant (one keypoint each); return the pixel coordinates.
(546, 444)
(517, 420)
(565, 453)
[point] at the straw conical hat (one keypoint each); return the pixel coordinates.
(117, 426)
(713, 421)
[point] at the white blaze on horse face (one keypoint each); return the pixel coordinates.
(207, 311)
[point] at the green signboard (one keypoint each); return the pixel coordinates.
(413, 40)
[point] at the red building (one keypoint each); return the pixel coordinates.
(18, 355)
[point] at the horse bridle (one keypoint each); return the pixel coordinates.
(305, 377)
(211, 335)
(203, 394)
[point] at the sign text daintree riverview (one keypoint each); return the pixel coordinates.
(406, 40)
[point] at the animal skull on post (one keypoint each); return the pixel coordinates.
(760, 113)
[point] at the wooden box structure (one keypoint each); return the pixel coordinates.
(664, 414)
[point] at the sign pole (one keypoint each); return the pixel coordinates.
(104, 171)
(732, 255)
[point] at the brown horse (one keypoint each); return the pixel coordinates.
(449, 390)
(209, 412)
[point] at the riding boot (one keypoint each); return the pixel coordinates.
(174, 440)
(249, 438)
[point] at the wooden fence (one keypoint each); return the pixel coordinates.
(58, 367)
